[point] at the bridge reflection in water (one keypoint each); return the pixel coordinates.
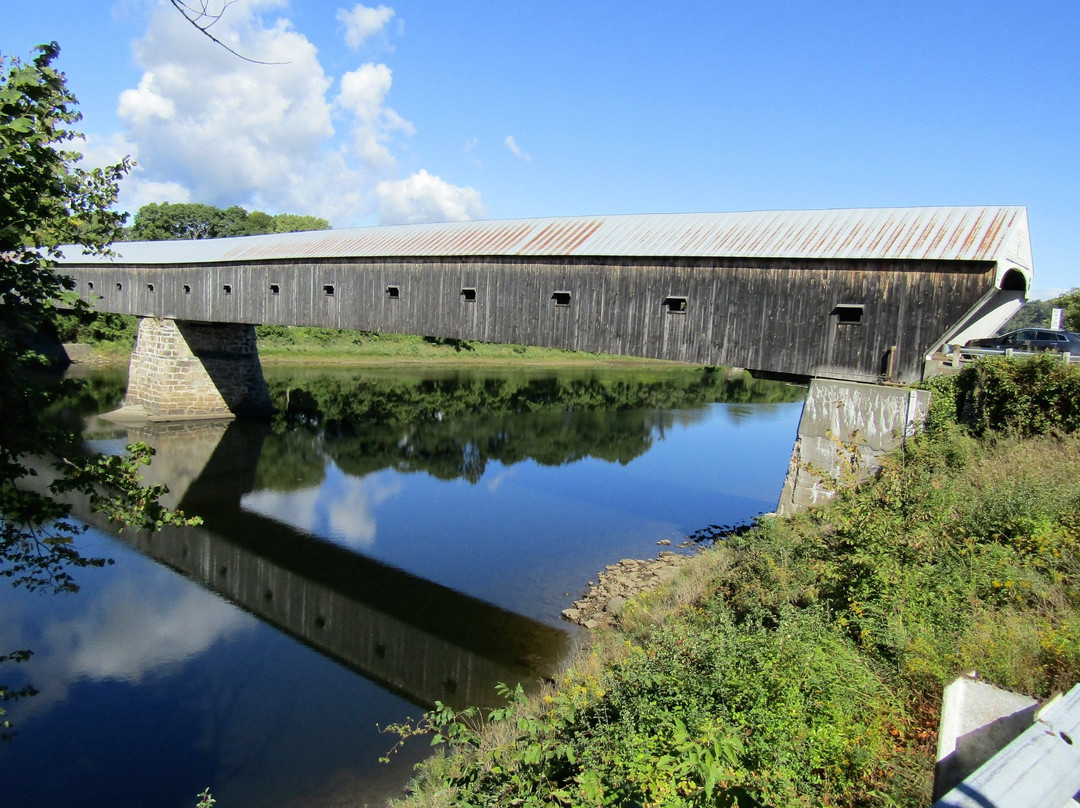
(420, 639)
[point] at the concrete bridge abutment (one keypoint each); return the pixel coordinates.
(183, 369)
(845, 429)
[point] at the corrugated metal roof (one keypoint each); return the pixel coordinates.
(987, 233)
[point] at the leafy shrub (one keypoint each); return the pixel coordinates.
(279, 334)
(1031, 397)
(707, 713)
(944, 410)
(95, 328)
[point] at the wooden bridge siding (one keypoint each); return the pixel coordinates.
(767, 315)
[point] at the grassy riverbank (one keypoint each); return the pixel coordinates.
(801, 664)
(112, 337)
(282, 345)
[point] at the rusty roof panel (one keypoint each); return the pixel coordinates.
(984, 233)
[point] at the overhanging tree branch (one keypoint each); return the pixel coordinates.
(203, 18)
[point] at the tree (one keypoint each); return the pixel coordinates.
(1033, 314)
(167, 221)
(47, 200)
(1070, 301)
(293, 223)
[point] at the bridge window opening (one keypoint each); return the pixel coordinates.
(275, 289)
(227, 289)
(150, 288)
(561, 298)
(393, 292)
(320, 621)
(187, 288)
(328, 289)
(468, 295)
(119, 287)
(675, 305)
(848, 313)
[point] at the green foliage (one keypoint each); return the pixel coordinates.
(956, 537)
(705, 712)
(165, 221)
(7, 694)
(294, 223)
(1036, 395)
(192, 220)
(1033, 314)
(1070, 302)
(47, 200)
(96, 328)
(943, 412)
(1031, 397)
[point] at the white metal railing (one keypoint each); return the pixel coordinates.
(1039, 769)
(960, 354)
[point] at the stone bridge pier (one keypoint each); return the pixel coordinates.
(845, 429)
(182, 369)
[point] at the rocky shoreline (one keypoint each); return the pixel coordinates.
(617, 583)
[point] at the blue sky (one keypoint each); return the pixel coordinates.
(421, 111)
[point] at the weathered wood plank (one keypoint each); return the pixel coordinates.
(770, 315)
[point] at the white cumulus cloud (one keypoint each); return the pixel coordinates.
(363, 94)
(206, 126)
(426, 198)
(223, 128)
(363, 22)
(136, 190)
(142, 105)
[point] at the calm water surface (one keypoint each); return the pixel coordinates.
(391, 538)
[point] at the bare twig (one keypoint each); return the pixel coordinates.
(201, 17)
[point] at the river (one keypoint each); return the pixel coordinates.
(390, 538)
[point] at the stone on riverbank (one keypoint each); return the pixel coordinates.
(617, 583)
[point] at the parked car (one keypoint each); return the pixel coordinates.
(1032, 339)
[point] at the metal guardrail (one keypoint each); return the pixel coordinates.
(961, 354)
(1039, 769)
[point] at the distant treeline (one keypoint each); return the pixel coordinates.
(1036, 313)
(168, 221)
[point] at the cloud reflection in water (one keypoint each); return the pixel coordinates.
(341, 508)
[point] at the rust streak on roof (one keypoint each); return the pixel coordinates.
(945, 233)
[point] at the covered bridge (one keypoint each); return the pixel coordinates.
(857, 294)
